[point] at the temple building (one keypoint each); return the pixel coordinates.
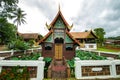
(59, 42)
(87, 39)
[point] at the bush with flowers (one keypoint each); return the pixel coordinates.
(15, 73)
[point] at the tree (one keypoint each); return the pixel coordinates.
(114, 38)
(100, 33)
(7, 7)
(19, 17)
(86, 30)
(7, 31)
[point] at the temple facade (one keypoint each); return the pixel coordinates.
(59, 42)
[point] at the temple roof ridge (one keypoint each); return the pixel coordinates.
(55, 19)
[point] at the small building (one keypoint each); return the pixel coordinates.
(29, 36)
(87, 39)
(110, 42)
(59, 42)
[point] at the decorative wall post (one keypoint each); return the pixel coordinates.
(12, 52)
(113, 69)
(1, 58)
(78, 69)
(25, 51)
(0, 69)
(99, 53)
(40, 69)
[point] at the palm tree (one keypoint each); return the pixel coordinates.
(19, 17)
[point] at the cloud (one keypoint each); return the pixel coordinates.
(84, 14)
(99, 13)
(44, 6)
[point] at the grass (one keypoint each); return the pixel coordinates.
(62, 79)
(84, 79)
(106, 49)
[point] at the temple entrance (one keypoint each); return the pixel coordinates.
(59, 47)
(59, 40)
(58, 51)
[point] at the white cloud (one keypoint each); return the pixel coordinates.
(84, 14)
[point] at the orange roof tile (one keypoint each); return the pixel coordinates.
(82, 35)
(28, 35)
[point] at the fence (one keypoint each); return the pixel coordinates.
(92, 69)
(38, 63)
(18, 52)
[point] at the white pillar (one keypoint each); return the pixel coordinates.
(99, 53)
(40, 58)
(12, 52)
(32, 50)
(78, 69)
(113, 69)
(0, 69)
(25, 51)
(40, 70)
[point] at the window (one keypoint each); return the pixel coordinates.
(90, 41)
(91, 46)
(59, 33)
(48, 46)
(69, 47)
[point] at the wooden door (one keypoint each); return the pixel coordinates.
(58, 51)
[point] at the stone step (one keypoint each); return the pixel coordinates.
(58, 69)
(58, 62)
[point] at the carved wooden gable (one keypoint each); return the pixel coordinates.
(59, 23)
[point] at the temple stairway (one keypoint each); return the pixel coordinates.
(59, 69)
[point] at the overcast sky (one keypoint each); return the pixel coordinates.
(84, 14)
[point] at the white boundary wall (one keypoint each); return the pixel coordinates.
(87, 46)
(112, 64)
(39, 63)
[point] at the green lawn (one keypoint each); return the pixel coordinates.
(84, 79)
(106, 50)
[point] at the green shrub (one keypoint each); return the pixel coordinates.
(71, 64)
(18, 45)
(47, 63)
(31, 42)
(32, 56)
(88, 56)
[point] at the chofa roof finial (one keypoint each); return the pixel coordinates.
(59, 6)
